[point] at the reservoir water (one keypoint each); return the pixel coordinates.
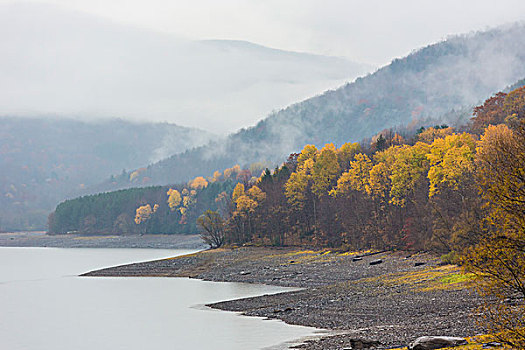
(44, 305)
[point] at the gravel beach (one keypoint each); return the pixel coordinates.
(385, 299)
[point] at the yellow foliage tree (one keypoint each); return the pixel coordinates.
(451, 159)
(356, 178)
(431, 134)
(346, 153)
(231, 172)
(397, 140)
(409, 166)
(325, 170)
(174, 198)
(296, 188)
(379, 182)
(237, 192)
(308, 152)
(256, 194)
(498, 261)
(245, 205)
(198, 183)
(143, 213)
(216, 176)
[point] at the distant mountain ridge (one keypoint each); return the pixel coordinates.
(265, 51)
(64, 62)
(428, 86)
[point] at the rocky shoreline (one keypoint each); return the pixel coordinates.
(388, 298)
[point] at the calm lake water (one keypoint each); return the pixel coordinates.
(44, 305)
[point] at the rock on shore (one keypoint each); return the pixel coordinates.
(432, 342)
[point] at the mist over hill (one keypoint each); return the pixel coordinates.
(44, 161)
(59, 64)
(439, 83)
(63, 62)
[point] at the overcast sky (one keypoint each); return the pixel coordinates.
(132, 58)
(370, 31)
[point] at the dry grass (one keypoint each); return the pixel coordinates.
(448, 277)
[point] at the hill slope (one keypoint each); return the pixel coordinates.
(44, 161)
(428, 86)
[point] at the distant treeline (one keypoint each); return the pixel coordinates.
(158, 209)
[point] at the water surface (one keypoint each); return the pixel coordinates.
(44, 305)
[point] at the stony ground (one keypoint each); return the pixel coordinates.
(391, 303)
(40, 239)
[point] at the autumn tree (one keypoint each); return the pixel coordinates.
(355, 178)
(308, 152)
(514, 106)
(489, 113)
(409, 168)
(346, 153)
(325, 171)
(237, 192)
(143, 213)
(498, 261)
(198, 183)
(350, 202)
(452, 192)
(211, 225)
(430, 134)
(384, 215)
(380, 174)
(188, 201)
(232, 172)
(243, 218)
(216, 176)
(397, 140)
(275, 211)
(451, 158)
(174, 198)
(299, 194)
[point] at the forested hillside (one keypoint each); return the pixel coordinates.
(43, 161)
(436, 190)
(160, 209)
(436, 84)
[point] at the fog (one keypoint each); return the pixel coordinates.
(439, 84)
(153, 61)
(373, 31)
(64, 63)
